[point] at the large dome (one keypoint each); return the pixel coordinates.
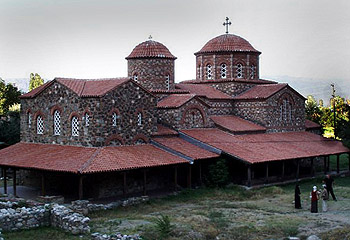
(151, 49)
(227, 43)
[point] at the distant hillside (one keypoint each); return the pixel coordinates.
(21, 83)
(319, 88)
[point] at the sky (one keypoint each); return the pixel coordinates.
(90, 39)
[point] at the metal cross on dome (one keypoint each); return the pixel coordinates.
(150, 37)
(227, 23)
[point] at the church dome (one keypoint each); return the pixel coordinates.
(151, 49)
(227, 43)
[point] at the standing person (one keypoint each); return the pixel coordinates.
(297, 197)
(325, 197)
(329, 181)
(314, 199)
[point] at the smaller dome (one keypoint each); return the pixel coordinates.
(227, 43)
(151, 49)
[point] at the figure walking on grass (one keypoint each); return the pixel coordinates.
(297, 201)
(314, 199)
(329, 181)
(325, 197)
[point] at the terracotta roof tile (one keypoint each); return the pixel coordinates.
(311, 125)
(164, 131)
(186, 148)
(162, 91)
(204, 90)
(36, 91)
(175, 100)
(150, 49)
(227, 43)
(236, 124)
(261, 91)
(238, 80)
(255, 148)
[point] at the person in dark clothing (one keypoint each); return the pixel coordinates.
(314, 200)
(297, 197)
(328, 180)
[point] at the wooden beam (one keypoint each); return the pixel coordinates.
(175, 178)
(4, 170)
(297, 173)
(43, 192)
(267, 173)
(14, 183)
(338, 163)
(249, 175)
(189, 176)
(81, 187)
(144, 183)
(124, 184)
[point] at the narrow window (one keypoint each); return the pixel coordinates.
(39, 125)
(286, 110)
(223, 70)
(29, 120)
(239, 70)
(115, 119)
(252, 72)
(56, 122)
(87, 119)
(139, 119)
(209, 72)
(75, 126)
(167, 82)
(199, 71)
(135, 77)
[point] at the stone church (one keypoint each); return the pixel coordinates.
(98, 138)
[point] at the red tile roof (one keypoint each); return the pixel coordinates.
(236, 124)
(184, 147)
(175, 100)
(204, 90)
(227, 43)
(311, 125)
(164, 131)
(220, 80)
(52, 157)
(256, 148)
(82, 87)
(162, 91)
(261, 91)
(150, 49)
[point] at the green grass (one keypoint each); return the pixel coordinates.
(343, 162)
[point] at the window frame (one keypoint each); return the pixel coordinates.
(56, 123)
(75, 126)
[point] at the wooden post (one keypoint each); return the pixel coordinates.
(312, 167)
(14, 183)
(338, 163)
(5, 179)
(144, 183)
(267, 173)
(282, 170)
(200, 174)
(43, 192)
(81, 193)
(297, 173)
(189, 176)
(249, 175)
(124, 184)
(325, 164)
(175, 178)
(328, 165)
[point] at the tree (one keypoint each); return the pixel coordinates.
(10, 128)
(35, 81)
(219, 174)
(9, 95)
(312, 110)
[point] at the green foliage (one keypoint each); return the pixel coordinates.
(218, 174)
(312, 110)
(9, 95)
(163, 226)
(35, 81)
(10, 128)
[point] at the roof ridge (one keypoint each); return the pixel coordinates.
(88, 162)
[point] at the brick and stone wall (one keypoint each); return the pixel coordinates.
(268, 112)
(127, 100)
(151, 72)
(232, 88)
(218, 106)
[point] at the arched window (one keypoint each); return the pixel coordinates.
(167, 82)
(199, 72)
(115, 118)
(208, 71)
(56, 122)
(252, 72)
(139, 119)
(223, 70)
(39, 125)
(75, 126)
(239, 71)
(286, 110)
(87, 119)
(29, 120)
(135, 77)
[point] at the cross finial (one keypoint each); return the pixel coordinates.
(150, 37)
(227, 23)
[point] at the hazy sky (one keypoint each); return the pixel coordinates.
(90, 39)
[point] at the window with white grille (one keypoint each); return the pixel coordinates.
(29, 120)
(239, 70)
(75, 126)
(39, 125)
(87, 119)
(135, 77)
(223, 70)
(139, 119)
(115, 118)
(209, 71)
(286, 110)
(56, 122)
(167, 82)
(252, 72)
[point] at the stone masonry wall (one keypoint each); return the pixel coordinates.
(151, 72)
(232, 88)
(128, 99)
(219, 107)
